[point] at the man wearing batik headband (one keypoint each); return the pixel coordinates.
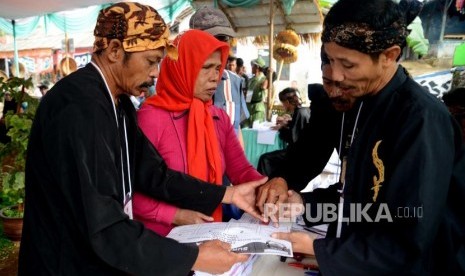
(86, 157)
(403, 179)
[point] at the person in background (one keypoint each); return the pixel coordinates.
(9, 104)
(289, 127)
(242, 72)
(232, 64)
(43, 88)
(190, 133)
(411, 193)
(455, 102)
(256, 93)
(86, 157)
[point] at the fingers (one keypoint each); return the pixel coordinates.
(226, 246)
(254, 213)
(204, 217)
(241, 257)
(261, 197)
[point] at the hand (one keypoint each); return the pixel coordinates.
(301, 242)
(215, 257)
(273, 192)
(294, 206)
(185, 216)
(294, 197)
(243, 196)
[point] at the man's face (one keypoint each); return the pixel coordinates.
(232, 66)
(341, 102)
(139, 69)
(356, 74)
(207, 80)
(242, 70)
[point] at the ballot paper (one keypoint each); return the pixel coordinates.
(246, 236)
(237, 232)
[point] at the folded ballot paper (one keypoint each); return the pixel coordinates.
(246, 236)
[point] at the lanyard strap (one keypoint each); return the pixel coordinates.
(129, 194)
(343, 171)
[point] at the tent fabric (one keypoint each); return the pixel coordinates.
(73, 21)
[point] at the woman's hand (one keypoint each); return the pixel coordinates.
(185, 217)
(243, 196)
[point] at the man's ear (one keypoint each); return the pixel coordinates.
(115, 51)
(391, 54)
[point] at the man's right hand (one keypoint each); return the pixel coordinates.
(215, 257)
(273, 192)
(185, 217)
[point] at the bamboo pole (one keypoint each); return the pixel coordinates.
(281, 63)
(270, 51)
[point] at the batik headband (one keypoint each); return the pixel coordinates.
(139, 28)
(363, 38)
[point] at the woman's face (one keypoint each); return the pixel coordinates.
(208, 77)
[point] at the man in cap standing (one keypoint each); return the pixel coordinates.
(256, 93)
(86, 157)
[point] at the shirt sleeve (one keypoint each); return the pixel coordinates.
(149, 209)
(85, 167)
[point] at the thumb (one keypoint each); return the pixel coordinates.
(259, 182)
(281, 236)
(206, 218)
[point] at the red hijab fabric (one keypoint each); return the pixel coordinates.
(175, 92)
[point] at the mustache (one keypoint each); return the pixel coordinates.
(146, 84)
(339, 101)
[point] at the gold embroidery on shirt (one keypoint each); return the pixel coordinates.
(380, 167)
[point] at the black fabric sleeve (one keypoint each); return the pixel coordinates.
(417, 175)
(86, 166)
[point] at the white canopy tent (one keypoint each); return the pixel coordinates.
(16, 9)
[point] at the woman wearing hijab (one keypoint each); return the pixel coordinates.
(191, 134)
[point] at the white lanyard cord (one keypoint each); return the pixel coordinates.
(341, 198)
(125, 135)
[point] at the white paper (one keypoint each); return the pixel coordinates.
(248, 96)
(266, 137)
(244, 238)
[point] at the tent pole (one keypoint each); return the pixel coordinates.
(270, 73)
(16, 56)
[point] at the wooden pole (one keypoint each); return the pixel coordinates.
(281, 63)
(270, 51)
(444, 18)
(66, 53)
